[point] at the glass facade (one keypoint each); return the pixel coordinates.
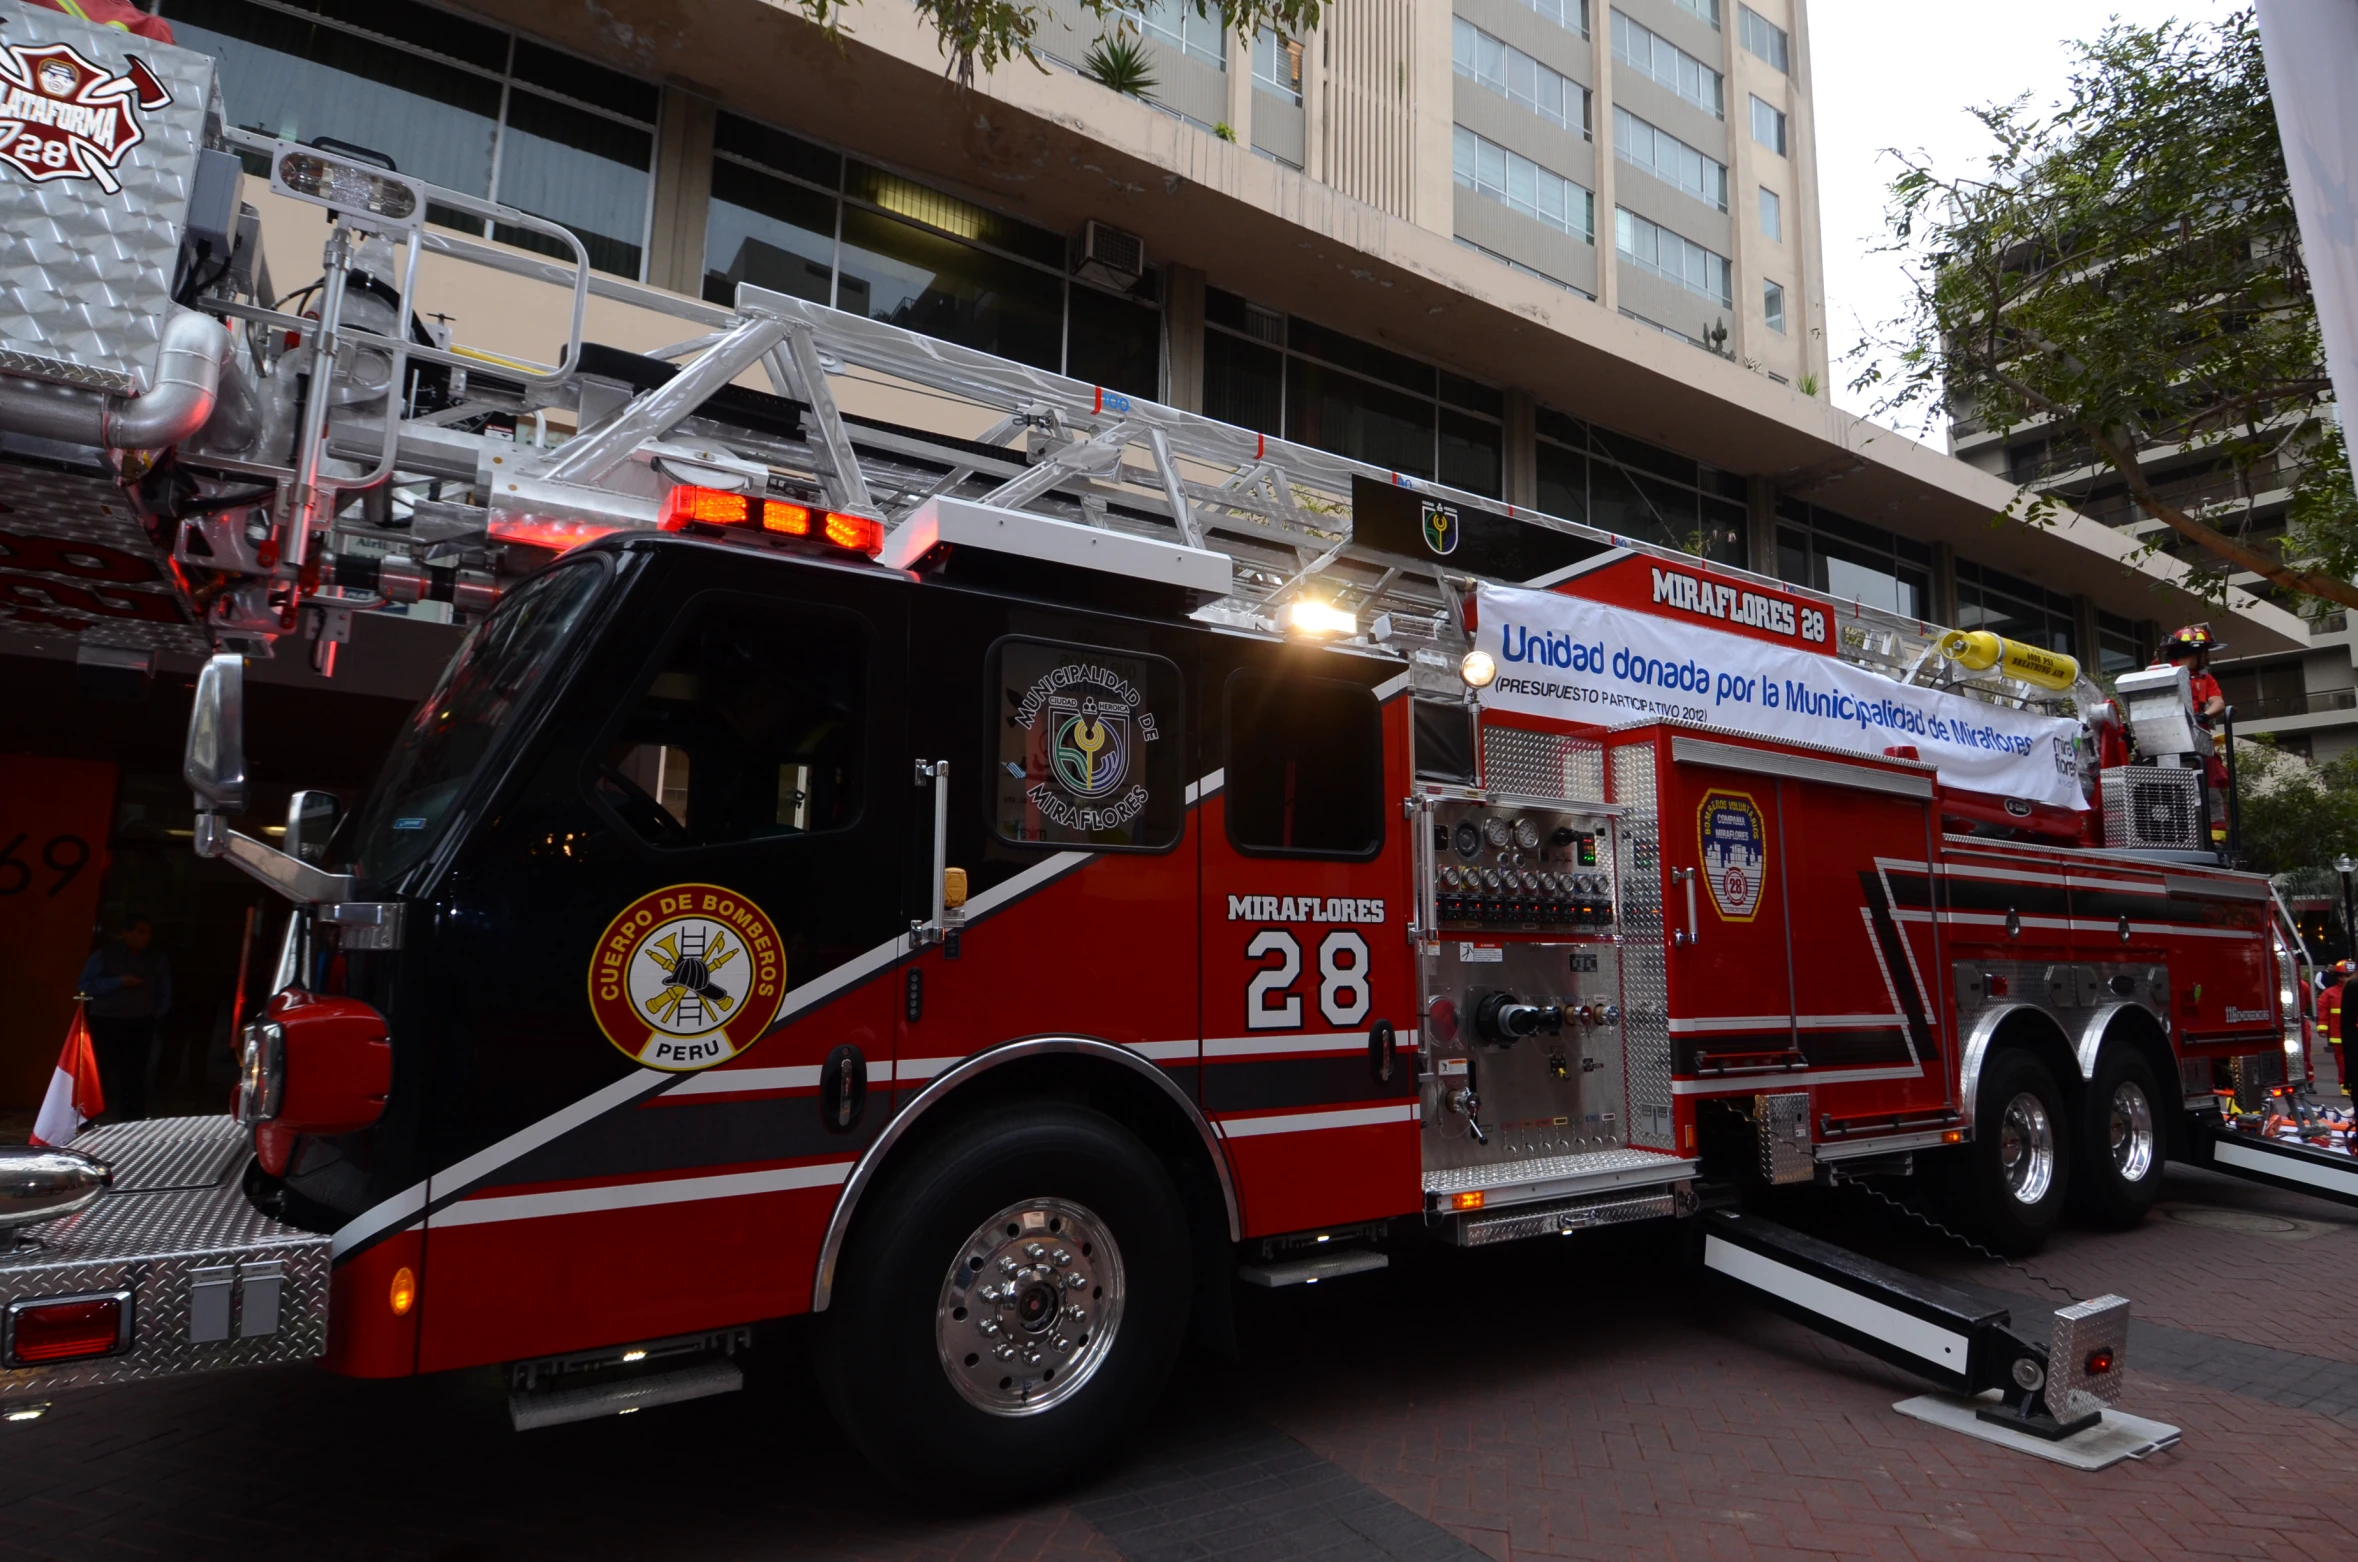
(1198, 34)
(1763, 38)
(797, 218)
(2008, 605)
(459, 104)
(1634, 489)
(1650, 54)
(1852, 561)
(1520, 184)
(1571, 15)
(1672, 257)
(1517, 77)
(1669, 159)
(1285, 375)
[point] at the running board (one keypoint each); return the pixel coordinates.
(1934, 1331)
(2279, 1163)
(534, 1408)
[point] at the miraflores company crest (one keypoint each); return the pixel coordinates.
(1094, 719)
(62, 117)
(687, 977)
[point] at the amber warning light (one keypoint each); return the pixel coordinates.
(685, 507)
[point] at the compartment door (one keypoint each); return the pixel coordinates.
(1724, 914)
(1867, 970)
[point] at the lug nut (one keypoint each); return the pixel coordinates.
(1077, 1282)
(1005, 1353)
(1062, 1258)
(1075, 1311)
(1034, 1251)
(1008, 1265)
(1031, 1358)
(988, 1328)
(1063, 1344)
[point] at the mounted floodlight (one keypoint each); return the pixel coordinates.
(375, 197)
(1317, 620)
(1479, 670)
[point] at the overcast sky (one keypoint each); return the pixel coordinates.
(1902, 73)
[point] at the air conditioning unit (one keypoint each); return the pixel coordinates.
(2149, 808)
(1109, 257)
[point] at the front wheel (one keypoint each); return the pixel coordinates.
(2016, 1173)
(1009, 1307)
(2119, 1177)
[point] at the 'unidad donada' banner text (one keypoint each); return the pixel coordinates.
(1575, 660)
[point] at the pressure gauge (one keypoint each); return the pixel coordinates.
(1450, 877)
(1497, 832)
(1467, 838)
(1526, 834)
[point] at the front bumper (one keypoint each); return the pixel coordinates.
(213, 1281)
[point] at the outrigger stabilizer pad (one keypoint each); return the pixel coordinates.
(1957, 1341)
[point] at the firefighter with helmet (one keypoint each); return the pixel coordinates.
(2193, 646)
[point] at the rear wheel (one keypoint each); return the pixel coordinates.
(2017, 1171)
(2119, 1177)
(1009, 1307)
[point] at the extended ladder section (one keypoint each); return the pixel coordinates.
(478, 463)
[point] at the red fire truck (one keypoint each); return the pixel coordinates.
(995, 895)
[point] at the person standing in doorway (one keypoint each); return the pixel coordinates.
(130, 986)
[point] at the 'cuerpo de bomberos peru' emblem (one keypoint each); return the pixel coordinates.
(687, 977)
(62, 117)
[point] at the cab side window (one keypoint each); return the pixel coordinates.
(1305, 771)
(751, 729)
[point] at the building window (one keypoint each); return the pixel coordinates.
(2011, 606)
(1304, 767)
(1489, 169)
(1634, 489)
(1277, 65)
(1762, 37)
(1669, 159)
(1768, 126)
(797, 218)
(1772, 304)
(1513, 264)
(1706, 11)
(1772, 214)
(2119, 647)
(1517, 77)
(1853, 562)
(1178, 23)
(1571, 15)
(1284, 375)
(1668, 64)
(473, 108)
(1672, 257)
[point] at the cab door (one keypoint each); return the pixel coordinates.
(1071, 769)
(685, 910)
(1306, 960)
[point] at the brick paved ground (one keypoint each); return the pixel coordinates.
(1578, 1398)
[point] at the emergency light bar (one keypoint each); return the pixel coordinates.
(687, 506)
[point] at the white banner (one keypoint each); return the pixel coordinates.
(1576, 660)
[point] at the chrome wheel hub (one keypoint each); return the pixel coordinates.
(2026, 1148)
(1030, 1307)
(2132, 1131)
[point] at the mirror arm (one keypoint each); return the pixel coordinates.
(292, 877)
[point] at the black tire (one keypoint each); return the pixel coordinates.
(886, 1349)
(1996, 1183)
(2122, 1144)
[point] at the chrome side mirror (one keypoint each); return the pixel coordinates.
(214, 764)
(311, 818)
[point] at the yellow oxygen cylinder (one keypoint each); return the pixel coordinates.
(1977, 650)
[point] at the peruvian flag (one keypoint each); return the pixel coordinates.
(73, 1097)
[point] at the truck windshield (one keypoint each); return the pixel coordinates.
(492, 677)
